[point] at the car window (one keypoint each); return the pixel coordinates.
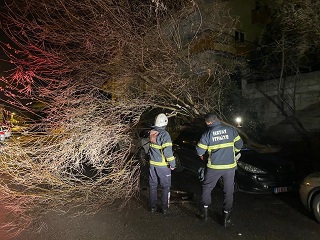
(188, 138)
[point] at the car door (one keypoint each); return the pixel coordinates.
(187, 151)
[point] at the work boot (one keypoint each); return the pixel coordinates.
(226, 218)
(204, 213)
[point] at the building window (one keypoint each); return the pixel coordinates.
(239, 36)
(258, 5)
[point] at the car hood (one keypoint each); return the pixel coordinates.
(269, 162)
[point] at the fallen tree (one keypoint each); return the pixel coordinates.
(97, 66)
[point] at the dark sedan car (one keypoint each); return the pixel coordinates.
(256, 172)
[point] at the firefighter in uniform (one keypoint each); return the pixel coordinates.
(221, 142)
(162, 162)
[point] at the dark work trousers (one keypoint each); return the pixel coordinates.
(163, 175)
(211, 178)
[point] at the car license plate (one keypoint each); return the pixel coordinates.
(281, 189)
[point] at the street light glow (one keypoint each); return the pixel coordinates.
(238, 121)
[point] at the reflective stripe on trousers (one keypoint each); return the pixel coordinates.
(164, 175)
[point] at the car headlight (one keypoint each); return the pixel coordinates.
(249, 168)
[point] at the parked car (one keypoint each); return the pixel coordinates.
(310, 193)
(5, 132)
(142, 142)
(256, 172)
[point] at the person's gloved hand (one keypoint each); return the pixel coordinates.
(201, 174)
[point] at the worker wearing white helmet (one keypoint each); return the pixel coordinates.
(162, 162)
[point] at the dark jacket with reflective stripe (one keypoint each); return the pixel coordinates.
(221, 142)
(160, 152)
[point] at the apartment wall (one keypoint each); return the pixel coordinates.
(242, 9)
(302, 92)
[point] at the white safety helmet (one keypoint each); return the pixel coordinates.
(161, 120)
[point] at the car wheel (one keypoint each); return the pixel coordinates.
(316, 207)
(179, 167)
(142, 157)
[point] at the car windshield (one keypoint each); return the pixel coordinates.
(189, 138)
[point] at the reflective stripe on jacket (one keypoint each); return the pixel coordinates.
(160, 152)
(221, 142)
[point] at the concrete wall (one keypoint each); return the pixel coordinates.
(302, 93)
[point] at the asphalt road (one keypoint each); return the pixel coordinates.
(279, 216)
